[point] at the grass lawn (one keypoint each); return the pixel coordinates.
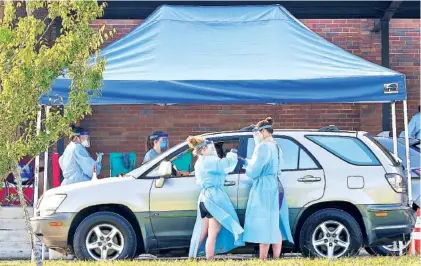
(362, 261)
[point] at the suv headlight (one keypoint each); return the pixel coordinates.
(50, 204)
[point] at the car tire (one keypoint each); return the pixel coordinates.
(104, 234)
(387, 250)
(330, 233)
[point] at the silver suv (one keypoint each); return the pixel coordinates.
(344, 192)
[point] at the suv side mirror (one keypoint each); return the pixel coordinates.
(160, 182)
(164, 171)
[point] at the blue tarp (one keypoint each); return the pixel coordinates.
(242, 54)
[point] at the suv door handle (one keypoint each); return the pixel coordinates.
(229, 183)
(309, 179)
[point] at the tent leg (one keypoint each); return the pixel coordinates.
(36, 177)
(47, 111)
(394, 131)
(45, 183)
(36, 181)
(408, 158)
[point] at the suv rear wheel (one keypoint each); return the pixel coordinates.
(330, 233)
(104, 236)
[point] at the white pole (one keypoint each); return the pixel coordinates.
(45, 181)
(36, 177)
(408, 158)
(36, 182)
(394, 134)
(47, 111)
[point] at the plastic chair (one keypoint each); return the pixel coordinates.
(184, 162)
(122, 163)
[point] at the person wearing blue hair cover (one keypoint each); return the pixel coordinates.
(155, 144)
(217, 228)
(76, 163)
(267, 218)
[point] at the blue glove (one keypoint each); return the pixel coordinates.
(234, 151)
(99, 156)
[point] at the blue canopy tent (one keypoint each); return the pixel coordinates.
(236, 54)
(243, 54)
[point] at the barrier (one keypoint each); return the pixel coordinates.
(56, 170)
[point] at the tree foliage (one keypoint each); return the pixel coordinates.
(29, 64)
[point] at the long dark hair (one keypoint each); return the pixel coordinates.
(151, 139)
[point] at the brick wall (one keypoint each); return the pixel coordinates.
(405, 58)
(124, 128)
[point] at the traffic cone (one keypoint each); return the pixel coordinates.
(415, 247)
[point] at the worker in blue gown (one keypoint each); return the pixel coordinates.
(76, 163)
(217, 228)
(155, 144)
(267, 218)
(414, 127)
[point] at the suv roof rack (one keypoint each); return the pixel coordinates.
(247, 128)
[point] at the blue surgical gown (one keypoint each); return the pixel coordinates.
(267, 210)
(77, 165)
(151, 154)
(413, 127)
(210, 173)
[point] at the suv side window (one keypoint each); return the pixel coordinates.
(349, 149)
(185, 161)
(295, 157)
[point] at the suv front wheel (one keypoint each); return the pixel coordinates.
(104, 236)
(330, 233)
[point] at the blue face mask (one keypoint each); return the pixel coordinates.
(163, 144)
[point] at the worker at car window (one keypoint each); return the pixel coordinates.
(156, 143)
(413, 126)
(76, 163)
(267, 219)
(217, 228)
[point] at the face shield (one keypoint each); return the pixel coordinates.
(85, 139)
(257, 134)
(164, 142)
(206, 148)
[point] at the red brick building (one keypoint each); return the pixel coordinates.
(124, 127)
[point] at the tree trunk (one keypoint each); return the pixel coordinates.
(31, 235)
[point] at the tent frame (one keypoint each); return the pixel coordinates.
(381, 25)
(395, 151)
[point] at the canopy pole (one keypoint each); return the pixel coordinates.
(36, 174)
(394, 131)
(36, 183)
(47, 111)
(408, 158)
(45, 183)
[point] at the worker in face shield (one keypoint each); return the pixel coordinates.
(76, 163)
(267, 218)
(217, 228)
(156, 143)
